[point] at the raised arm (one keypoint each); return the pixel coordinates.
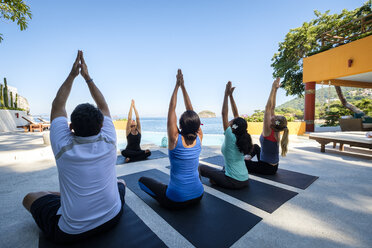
(129, 121)
(172, 128)
(270, 107)
(232, 102)
(59, 102)
(137, 117)
(225, 107)
(186, 97)
(94, 91)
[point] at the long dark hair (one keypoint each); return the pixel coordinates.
(189, 125)
(243, 138)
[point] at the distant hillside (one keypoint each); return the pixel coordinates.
(322, 96)
(206, 114)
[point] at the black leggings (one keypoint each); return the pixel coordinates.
(135, 155)
(218, 177)
(260, 167)
(157, 190)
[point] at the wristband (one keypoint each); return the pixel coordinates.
(89, 80)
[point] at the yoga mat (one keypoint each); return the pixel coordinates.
(261, 195)
(154, 155)
(291, 178)
(211, 223)
(130, 232)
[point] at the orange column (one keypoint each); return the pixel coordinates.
(309, 106)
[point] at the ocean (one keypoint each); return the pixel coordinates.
(154, 129)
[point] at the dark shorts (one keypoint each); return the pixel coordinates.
(44, 211)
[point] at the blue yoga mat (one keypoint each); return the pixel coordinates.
(261, 195)
(287, 177)
(130, 232)
(211, 223)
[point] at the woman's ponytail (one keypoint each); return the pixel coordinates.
(284, 142)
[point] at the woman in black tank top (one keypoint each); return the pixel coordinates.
(133, 150)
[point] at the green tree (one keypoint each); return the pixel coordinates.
(304, 41)
(16, 101)
(5, 92)
(1, 95)
(16, 11)
(11, 99)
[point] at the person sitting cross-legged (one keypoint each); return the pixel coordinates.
(268, 153)
(91, 198)
(184, 188)
(237, 143)
(133, 150)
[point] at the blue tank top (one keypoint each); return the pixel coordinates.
(184, 181)
(269, 150)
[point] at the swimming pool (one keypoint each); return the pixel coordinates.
(155, 129)
(156, 138)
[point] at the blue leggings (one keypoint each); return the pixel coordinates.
(158, 190)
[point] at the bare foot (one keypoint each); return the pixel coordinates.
(122, 181)
(147, 151)
(247, 157)
(127, 160)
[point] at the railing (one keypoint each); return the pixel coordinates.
(348, 32)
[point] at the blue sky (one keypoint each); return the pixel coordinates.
(134, 48)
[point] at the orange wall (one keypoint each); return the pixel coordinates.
(333, 63)
(120, 125)
(295, 128)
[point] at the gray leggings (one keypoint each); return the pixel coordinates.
(218, 177)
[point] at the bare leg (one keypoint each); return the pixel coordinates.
(33, 196)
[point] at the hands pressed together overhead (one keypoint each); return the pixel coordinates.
(179, 77)
(229, 89)
(80, 66)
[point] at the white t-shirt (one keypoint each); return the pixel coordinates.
(87, 176)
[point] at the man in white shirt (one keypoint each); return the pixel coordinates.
(91, 198)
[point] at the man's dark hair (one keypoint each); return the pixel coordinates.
(86, 120)
(189, 124)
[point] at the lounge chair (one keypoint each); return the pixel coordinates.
(358, 139)
(31, 126)
(354, 124)
(43, 120)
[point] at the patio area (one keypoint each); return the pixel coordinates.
(334, 211)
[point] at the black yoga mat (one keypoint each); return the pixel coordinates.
(291, 178)
(130, 232)
(261, 195)
(154, 155)
(211, 223)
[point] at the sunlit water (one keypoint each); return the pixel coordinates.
(155, 129)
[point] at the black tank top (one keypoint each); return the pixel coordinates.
(134, 142)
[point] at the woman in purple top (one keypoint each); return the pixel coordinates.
(184, 188)
(268, 153)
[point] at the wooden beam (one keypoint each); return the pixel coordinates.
(347, 83)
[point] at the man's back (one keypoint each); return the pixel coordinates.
(87, 176)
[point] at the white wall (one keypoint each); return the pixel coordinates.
(9, 121)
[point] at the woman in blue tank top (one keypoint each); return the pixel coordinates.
(184, 146)
(268, 153)
(237, 143)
